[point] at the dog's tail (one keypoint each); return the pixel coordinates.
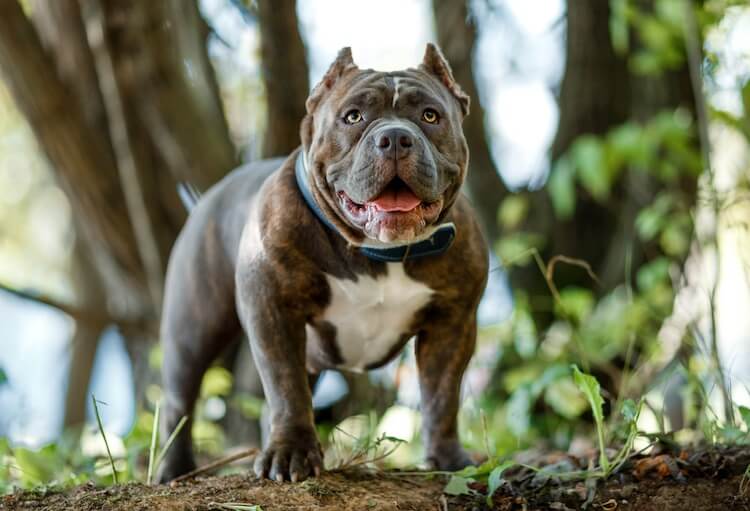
(189, 194)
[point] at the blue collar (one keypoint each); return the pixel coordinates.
(436, 244)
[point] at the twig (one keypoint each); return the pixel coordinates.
(247, 453)
(352, 463)
(550, 273)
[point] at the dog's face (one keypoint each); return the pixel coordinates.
(385, 152)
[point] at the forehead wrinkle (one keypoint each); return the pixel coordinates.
(367, 96)
(424, 80)
(419, 94)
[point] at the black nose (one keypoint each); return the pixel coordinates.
(394, 142)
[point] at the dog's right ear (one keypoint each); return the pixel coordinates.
(341, 66)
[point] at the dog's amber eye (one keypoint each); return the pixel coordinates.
(353, 116)
(430, 116)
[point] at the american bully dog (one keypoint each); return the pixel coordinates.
(333, 258)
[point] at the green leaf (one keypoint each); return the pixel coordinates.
(563, 397)
(496, 479)
(524, 334)
(249, 406)
(745, 414)
(746, 98)
(518, 411)
(651, 274)
(589, 160)
(576, 303)
(590, 388)
(216, 382)
(645, 63)
(655, 34)
(618, 26)
(626, 141)
(3, 376)
(561, 189)
(629, 410)
(671, 13)
(517, 249)
(550, 375)
(674, 239)
(513, 211)
(37, 467)
(731, 434)
(458, 486)
(652, 219)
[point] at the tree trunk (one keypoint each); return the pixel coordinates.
(594, 97)
(285, 75)
(598, 92)
(80, 155)
(124, 103)
(456, 33)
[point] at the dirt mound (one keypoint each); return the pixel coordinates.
(705, 480)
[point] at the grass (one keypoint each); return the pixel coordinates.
(154, 460)
(170, 440)
(234, 506)
(154, 442)
(104, 437)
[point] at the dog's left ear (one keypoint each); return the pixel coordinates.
(343, 64)
(434, 63)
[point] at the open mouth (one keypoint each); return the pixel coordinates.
(397, 214)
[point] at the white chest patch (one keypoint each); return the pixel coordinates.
(372, 314)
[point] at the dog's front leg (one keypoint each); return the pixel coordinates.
(276, 329)
(443, 352)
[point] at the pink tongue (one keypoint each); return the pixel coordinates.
(399, 199)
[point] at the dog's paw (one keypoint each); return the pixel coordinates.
(290, 459)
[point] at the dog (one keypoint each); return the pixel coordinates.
(333, 258)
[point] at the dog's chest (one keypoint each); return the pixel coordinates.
(371, 315)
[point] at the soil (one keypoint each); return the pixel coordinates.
(702, 480)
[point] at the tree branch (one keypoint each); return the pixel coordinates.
(72, 311)
(80, 157)
(147, 244)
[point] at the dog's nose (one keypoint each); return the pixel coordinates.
(394, 141)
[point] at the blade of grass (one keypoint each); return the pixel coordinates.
(234, 506)
(154, 443)
(170, 440)
(104, 437)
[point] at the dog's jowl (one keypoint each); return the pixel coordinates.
(334, 258)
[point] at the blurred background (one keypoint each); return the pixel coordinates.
(610, 168)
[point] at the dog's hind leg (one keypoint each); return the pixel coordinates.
(198, 322)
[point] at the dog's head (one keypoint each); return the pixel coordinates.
(385, 152)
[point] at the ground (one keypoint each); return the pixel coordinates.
(706, 480)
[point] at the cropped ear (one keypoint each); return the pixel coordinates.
(342, 65)
(434, 63)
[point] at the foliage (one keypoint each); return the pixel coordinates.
(490, 472)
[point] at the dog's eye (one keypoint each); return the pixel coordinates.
(353, 117)
(430, 116)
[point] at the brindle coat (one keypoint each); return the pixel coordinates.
(254, 257)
